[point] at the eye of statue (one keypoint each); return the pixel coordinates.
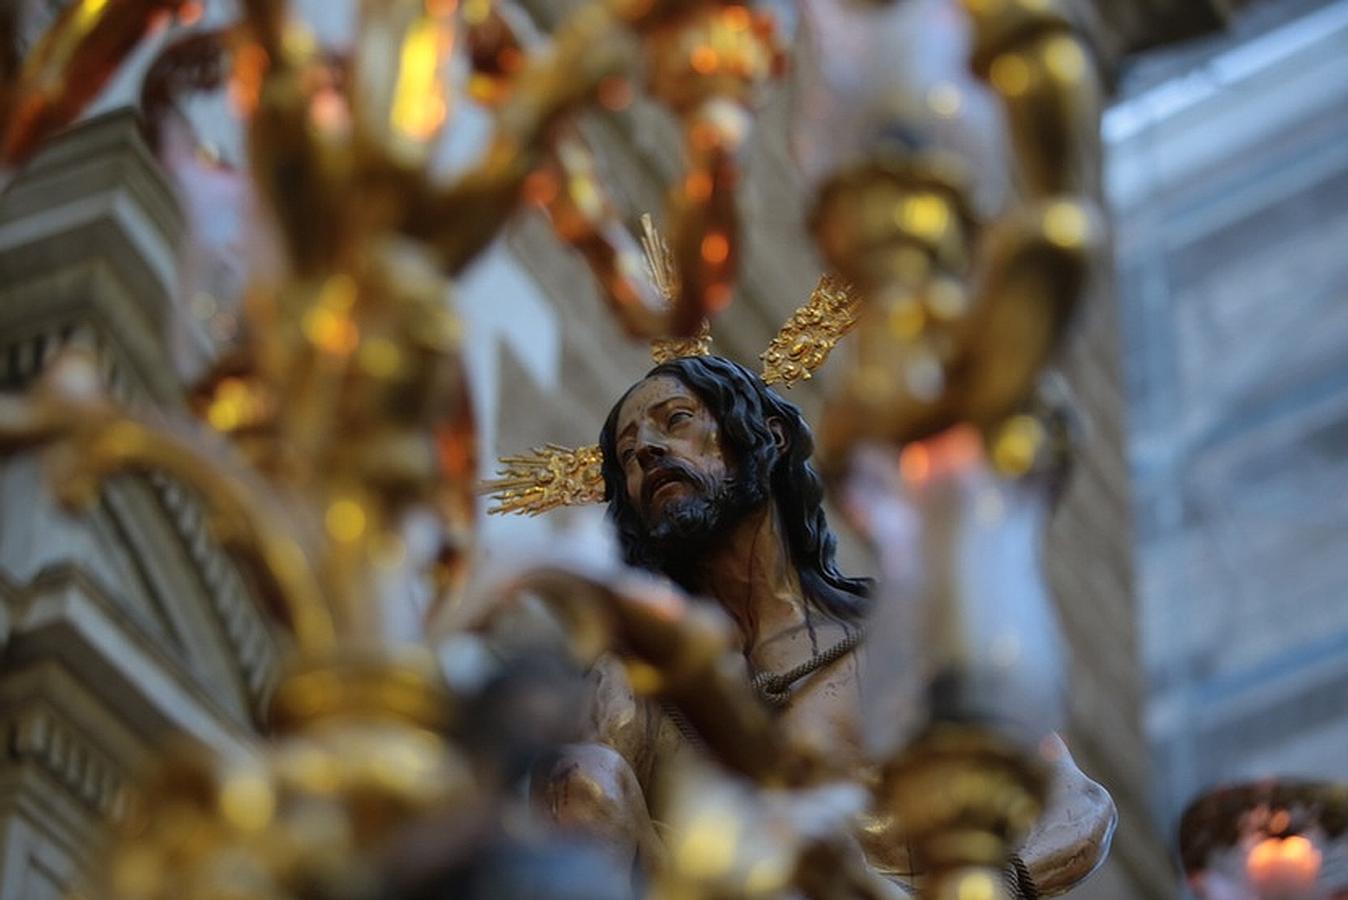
(679, 415)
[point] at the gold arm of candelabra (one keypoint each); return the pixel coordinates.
(967, 797)
(902, 232)
(568, 188)
(590, 46)
(1050, 88)
(570, 191)
(299, 137)
(266, 22)
(677, 648)
(69, 66)
(88, 438)
(708, 64)
(1037, 266)
(399, 110)
(705, 217)
(495, 51)
(707, 60)
(1036, 262)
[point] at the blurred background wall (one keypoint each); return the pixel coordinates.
(1229, 179)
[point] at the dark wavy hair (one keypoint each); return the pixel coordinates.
(743, 405)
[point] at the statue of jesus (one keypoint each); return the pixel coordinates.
(709, 483)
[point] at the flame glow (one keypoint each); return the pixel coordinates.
(419, 105)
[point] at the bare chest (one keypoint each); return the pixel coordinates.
(822, 714)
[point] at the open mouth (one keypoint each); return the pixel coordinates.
(661, 480)
(662, 489)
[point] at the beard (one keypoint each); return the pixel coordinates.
(687, 526)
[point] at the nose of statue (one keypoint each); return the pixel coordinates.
(650, 453)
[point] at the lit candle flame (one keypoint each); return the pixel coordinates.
(1284, 868)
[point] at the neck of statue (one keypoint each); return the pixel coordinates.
(751, 573)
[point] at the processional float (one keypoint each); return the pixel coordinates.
(346, 414)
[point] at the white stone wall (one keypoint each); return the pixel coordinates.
(1231, 187)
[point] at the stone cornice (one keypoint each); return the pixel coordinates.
(245, 628)
(38, 733)
(64, 616)
(89, 230)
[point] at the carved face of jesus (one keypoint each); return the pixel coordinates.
(669, 445)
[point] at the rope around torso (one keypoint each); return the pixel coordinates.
(775, 690)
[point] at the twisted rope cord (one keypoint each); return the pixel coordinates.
(776, 689)
(1018, 880)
